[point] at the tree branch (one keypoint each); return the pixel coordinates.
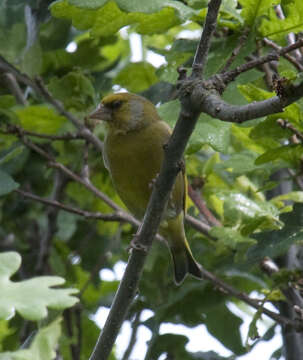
(133, 338)
(201, 206)
(14, 87)
(152, 218)
(212, 104)
(221, 285)
(232, 74)
(204, 44)
(290, 58)
(40, 89)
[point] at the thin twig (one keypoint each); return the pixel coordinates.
(86, 214)
(198, 225)
(201, 206)
(221, 285)
(103, 258)
(41, 90)
(133, 338)
(290, 58)
(14, 87)
(232, 74)
(65, 137)
(235, 52)
(204, 44)
(287, 125)
(84, 131)
(51, 228)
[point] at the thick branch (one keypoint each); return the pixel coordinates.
(212, 104)
(151, 221)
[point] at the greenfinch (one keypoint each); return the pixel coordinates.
(133, 154)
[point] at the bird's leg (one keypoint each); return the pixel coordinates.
(134, 244)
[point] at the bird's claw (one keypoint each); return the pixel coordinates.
(153, 181)
(135, 244)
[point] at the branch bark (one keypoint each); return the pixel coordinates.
(164, 183)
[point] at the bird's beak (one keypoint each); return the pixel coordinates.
(101, 113)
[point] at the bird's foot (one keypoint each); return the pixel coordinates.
(135, 244)
(153, 181)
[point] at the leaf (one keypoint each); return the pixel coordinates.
(208, 130)
(239, 208)
(276, 243)
(291, 154)
(296, 196)
(229, 334)
(30, 298)
(74, 89)
(252, 9)
(172, 344)
(11, 154)
(136, 77)
(32, 60)
(147, 7)
(276, 28)
(233, 239)
(108, 19)
(7, 183)
(40, 118)
(44, 345)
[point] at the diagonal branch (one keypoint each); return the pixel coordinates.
(41, 90)
(171, 166)
(232, 74)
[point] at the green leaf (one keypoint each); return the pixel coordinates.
(7, 183)
(276, 243)
(30, 298)
(40, 118)
(276, 28)
(252, 9)
(169, 343)
(74, 89)
(296, 196)
(136, 77)
(44, 345)
(254, 93)
(7, 101)
(16, 151)
(231, 238)
(12, 41)
(239, 208)
(291, 154)
(229, 334)
(32, 60)
(108, 19)
(269, 128)
(147, 7)
(210, 131)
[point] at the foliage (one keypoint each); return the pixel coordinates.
(84, 50)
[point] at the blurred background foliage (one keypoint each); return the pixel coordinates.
(85, 49)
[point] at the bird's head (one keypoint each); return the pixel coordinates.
(125, 112)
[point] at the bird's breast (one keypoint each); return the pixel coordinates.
(134, 160)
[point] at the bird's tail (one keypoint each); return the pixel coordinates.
(184, 262)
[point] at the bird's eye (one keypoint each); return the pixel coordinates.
(116, 104)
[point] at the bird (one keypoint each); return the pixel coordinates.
(133, 153)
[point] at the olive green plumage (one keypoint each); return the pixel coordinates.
(133, 154)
